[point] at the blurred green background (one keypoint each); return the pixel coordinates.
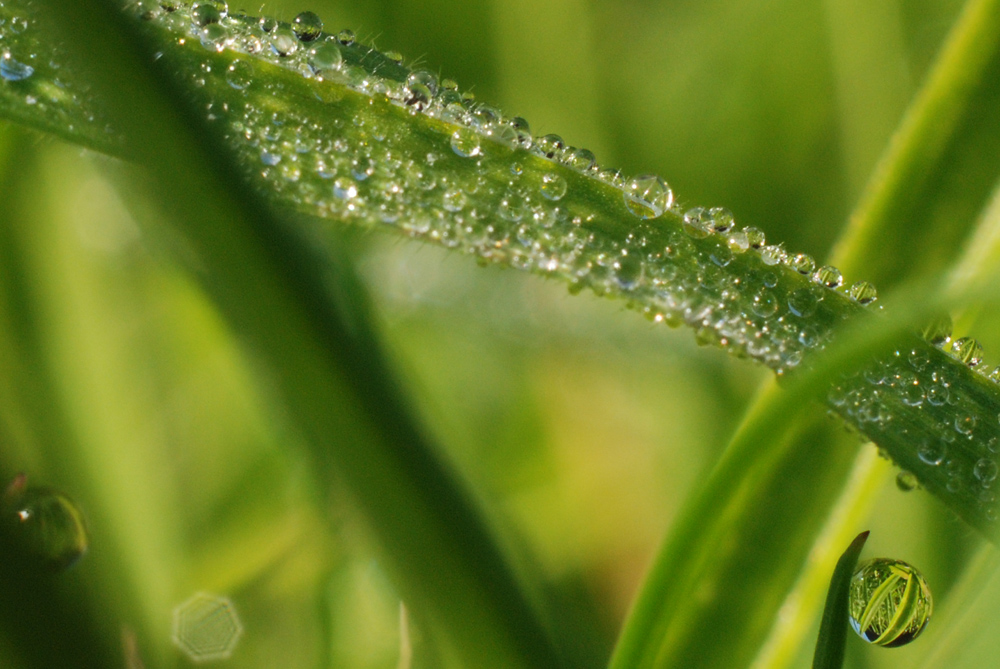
(581, 426)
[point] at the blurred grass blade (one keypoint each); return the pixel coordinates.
(833, 629)
(942, 148)
(307, 321)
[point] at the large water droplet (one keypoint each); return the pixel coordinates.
(890, 602)
(985, 470)
(47, 524)
(932, 453)
(721, 219)
(802, 263)
(307, 26)
(697, 223)
(648, 196)
(14, 70)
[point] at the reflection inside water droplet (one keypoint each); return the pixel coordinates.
(890, 602)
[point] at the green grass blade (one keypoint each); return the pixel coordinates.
(833, 630)
(307, 319)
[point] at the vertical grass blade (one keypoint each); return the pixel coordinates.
(833, 629)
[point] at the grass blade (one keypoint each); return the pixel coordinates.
(833, 630)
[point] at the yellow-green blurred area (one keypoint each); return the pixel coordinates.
(580, 426)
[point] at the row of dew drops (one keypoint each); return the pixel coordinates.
(302, 46)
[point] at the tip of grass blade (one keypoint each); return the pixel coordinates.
(833, 630)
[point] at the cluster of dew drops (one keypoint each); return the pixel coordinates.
(509, 211)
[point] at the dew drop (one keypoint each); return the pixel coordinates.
(802, 263)
(965, 423)
(697, 223)
(985, 470)
(553, 186)
(580, 159)
(829, 276)
(721, 256)
(345, 188)
(466, 143)
(346, 37)
(325, 57)
(938, 331)
(210, 11)
(549, 146)
(284, 43)
(14, 70)
(268, 24)
(239, 74)
(772, 255)
(721, 219)
(47, 525)
(862, 292)
(890, 602)
(906, 481)
(307, 26)
(968, 351)
(765, 304)
(648, 196)
(803, 302)
(523, 131)
(932, 453)
(755, 237)
(453, 200)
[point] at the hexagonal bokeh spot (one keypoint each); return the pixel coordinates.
(206, 627)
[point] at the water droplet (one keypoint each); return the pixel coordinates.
(549, 146)
(772, 255)
(802, 263)
(206, 627)
(346, 37)
(697, 223)
(325, 57)
(965, 423)
(239, 74)
(512, 207)
(207, 12)
(755, 237)
(466, 143)
(721, 219)
(803, 302)
(765, 304)
(862, 292)
(968, 351)
(553, 186)
(13, 70)
(906, 481)
(420, 89)
(648, 196)
(307, 26)
(453, 200)
(47, 525)
(938, 331)
(345, 188)
(721, 256)
(829, 276)
(523, 131)
(284, 43)
(890, 602)
(580, 159)
(985, 470)
(267, 24)
(932, 452)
